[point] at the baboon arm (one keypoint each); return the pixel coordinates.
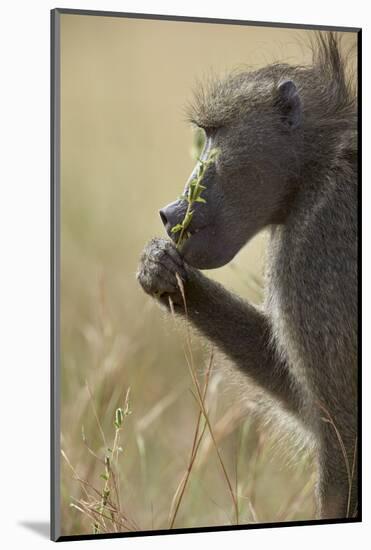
(242, 332)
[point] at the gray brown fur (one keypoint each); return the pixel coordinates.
(287, 142)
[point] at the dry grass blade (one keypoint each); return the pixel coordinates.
(330, 421)
(296, 501)
(158, 409)
(226, 425)
(253, 513)
(96, 414)
(353, 470)
(76, 476)
(178, 496)
(90, 515)
(191, 367)
(103, 507)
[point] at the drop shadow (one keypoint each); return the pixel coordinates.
(41, 528)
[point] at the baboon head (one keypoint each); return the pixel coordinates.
(254, 121)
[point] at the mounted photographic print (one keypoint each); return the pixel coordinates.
(205, 203)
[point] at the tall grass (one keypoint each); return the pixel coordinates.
(349, 466)
(182, 451)
(184, 462)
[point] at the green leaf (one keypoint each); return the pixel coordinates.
(193, 194)
(177, 227)
(119, 416)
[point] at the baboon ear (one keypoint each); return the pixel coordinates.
(289, 104)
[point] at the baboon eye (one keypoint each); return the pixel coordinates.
(210, 130)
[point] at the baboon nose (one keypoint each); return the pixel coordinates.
(163, 217)
(171, 214)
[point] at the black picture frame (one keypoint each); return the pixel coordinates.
(55, 268)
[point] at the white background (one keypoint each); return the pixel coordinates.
(24, 275)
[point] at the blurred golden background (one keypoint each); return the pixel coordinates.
(125, 152)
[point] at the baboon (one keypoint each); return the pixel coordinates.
(287, 143)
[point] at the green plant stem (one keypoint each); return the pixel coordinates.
(193, 195)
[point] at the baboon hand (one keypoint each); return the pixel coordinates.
(159, 265)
